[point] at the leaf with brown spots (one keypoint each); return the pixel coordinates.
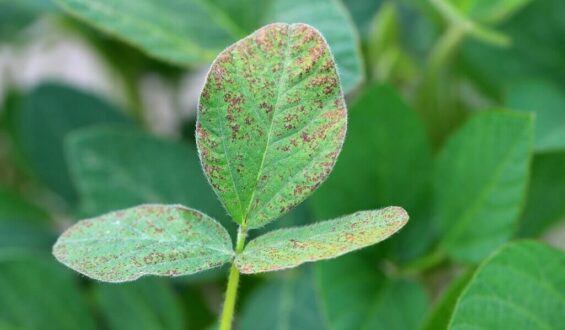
(271, 121)
(145, 240)
(287, 248)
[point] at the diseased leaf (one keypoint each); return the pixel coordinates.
(145, 240)
(147, 304)
(342, 294)
(291, 247)
(271, 121)
(545, 201)
(110, 168)
(43, 119)
(548, 103)
(331, 18)
(480, 183)
(521, 286)
(37, 294)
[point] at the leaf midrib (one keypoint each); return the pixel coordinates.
(467, 216)
(269, 133)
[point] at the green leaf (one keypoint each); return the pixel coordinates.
(439, 317)
(544, 205)
(287, 248)
(16, 16)
(147, 304)
(23, 225)
(36, 294)
(344, 294)
(331, 18)
(547, 101)
(490, 11)
(271, 121)
(363, 12)
(44, 118)
(386, 160)
(172, 30)
(145, 240)
(110, 169)
(540, 24)
(521, 286)
(480, 183)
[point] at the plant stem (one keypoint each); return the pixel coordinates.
(424, 263)
(233, 282)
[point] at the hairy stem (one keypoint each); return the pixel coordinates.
(233, 282)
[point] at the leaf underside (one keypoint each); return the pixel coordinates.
(271, 121)
(145, 240)
(288, 248)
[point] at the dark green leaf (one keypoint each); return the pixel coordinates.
(147, 304)
(480, 183)
(22, 224)
(521, 286)
(441, 314)
(145, 240)
(544, 205)
(119, 167)
(547, 102)
(36, 294)
(266, 149)
(44, 118)
(339, 295)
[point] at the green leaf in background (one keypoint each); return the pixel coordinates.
(521, 286)
(271, 121)
(147, 304)
(15, 16)
(287, 248)
(363, 12)
(43, 119)
(184, 32)
(192, 32)
(541, 24)
(547, 102)
(342, 294)
(331, 18)
(117, 167)
(545, 203)
(440, 316)
(146, 240)
(489, 11)
(480, 183)
(36, 294)
(23, 225)
(386, 160)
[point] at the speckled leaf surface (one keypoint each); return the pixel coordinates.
(271, 121)
(145, 240)
(288, 248)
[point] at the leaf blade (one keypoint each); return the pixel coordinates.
(265, 165)
(519, 287)
(286, 248)
(101, 248)
(480, 182)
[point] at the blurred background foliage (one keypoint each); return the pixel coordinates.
(456, 112)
